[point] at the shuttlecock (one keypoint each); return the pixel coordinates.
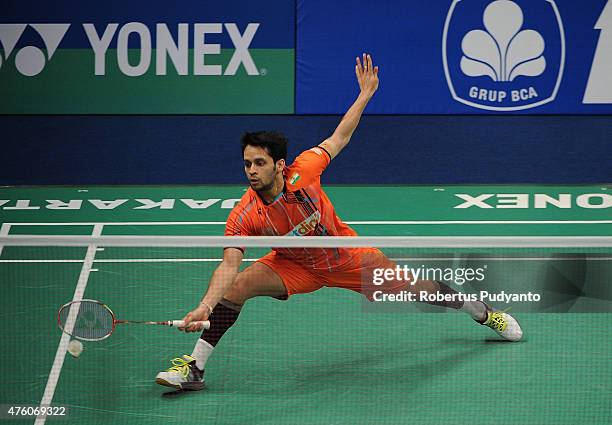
(75, 348)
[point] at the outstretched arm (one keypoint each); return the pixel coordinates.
(222, 279)
(367, 77)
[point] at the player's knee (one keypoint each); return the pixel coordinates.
(241, 290)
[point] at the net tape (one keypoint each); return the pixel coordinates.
(314, 241)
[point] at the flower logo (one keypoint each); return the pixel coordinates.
(503, 52)
(503, 55)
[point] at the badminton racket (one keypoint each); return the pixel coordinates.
(92, 320)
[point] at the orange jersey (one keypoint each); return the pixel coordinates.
(302, 209)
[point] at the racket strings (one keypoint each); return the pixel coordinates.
(93, 321)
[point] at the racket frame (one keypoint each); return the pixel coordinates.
(68, 304)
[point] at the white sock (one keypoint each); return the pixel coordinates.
(201, 352)
(476, 309)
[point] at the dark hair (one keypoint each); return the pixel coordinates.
(274, 143)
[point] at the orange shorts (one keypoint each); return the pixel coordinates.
(356, 274)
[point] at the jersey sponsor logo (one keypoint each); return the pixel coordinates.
(534, 200)
(503, 55)
(309, 225)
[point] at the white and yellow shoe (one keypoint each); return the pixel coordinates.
(183, 375)
(505, 325)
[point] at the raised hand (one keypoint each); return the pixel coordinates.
(367, 75)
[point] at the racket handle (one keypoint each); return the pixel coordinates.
(201, 325)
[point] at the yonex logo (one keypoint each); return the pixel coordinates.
(493, 60)
(30, 60)
(536, 200)
(177, 50)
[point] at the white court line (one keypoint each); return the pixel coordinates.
(130, 260)
(250, 260)
(364, 222)
(41, 261)
(4, 231)
(65, 339)
(436, 222)
(118, 223)
(60, 354)
(461, 258)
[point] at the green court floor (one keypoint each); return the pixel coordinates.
(319, 358)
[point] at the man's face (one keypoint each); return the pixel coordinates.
(260, 168)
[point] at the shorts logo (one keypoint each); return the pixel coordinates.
(294, 178)
(31, 60)
(503, 55)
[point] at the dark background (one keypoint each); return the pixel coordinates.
(69, 150)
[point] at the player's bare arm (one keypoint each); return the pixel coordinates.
(222, 279)
(367, 77)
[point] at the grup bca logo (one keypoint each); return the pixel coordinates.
(503, 55)
(30, 60)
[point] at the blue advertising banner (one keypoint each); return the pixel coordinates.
(275, 18)
(458, 56)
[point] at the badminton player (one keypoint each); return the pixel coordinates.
(288, 200)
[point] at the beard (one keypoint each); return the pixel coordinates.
(260, 187)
